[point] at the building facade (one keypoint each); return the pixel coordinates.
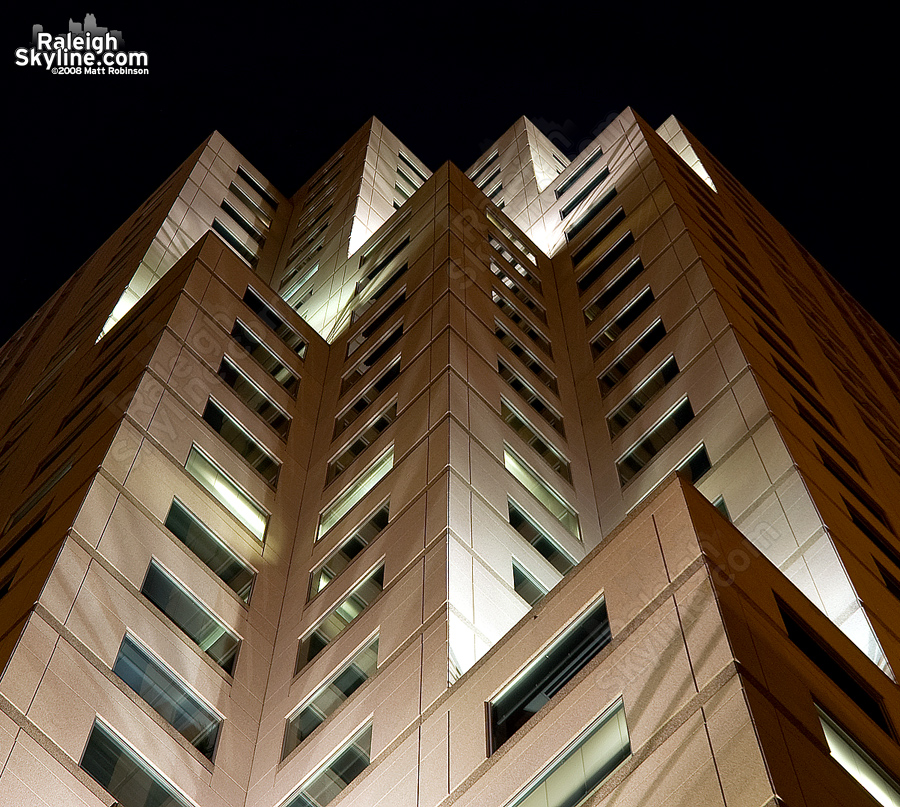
(548, 483)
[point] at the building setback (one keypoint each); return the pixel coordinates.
(549, 483)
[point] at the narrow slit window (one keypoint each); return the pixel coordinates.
(531, 397)
(630, 357)
(533, 438)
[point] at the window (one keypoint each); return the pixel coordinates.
(227, 493)
(330, 696)
(242, 222)
(251, 203)
(526, 586)
(366, 399)
(645, 343)
(235, 243)
(697, 464)
(210, 635)
(619, 285)
(548, 674)
(255, 398)
(606, 229)
(167, 696)
(514, 262)
(592, 758)
(544, 375)
(389, 310)
(366, 364)
(578, 173)
(265, 357)
(533, 438)
(275, 323)
(542, 492)
(545, 546)
(612, 331)
(583, 194)
(338, 465)
(530, 397)
(654, 441)
(227, 566)
(355, 492)
(254, 183)
(119, 771)
(337, 621)
(633, 406)
(326, 784)
(826, 659)
(232, 433)
(532, 333)
(518, 291)
(339, 559)
(851, 757)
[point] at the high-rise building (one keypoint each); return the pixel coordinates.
(549, 483)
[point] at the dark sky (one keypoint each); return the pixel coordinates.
(790, 104)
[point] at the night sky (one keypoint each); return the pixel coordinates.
(791, 105)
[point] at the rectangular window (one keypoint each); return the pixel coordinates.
(530, 397)
(509, 342)
(579, 197)
(548, 674)
(350, 415)
(592, 758)
(167, 696)
(827, 660)
(487, 164)
(526, 586)
(274, 322)
(366, 364)
(123, 774)
(519, 292)
(654, 441)
(412, 166)
(227, 493)
(533, 438)
(617, 371)
(606, 230)
(264, 357)
(542, 492)
(327, 698)
(355, 492)
(608, 335)
(251, 203)
(340, 559)
(696, 465)
(578, 173)
(195, 535)
(387, 312)
(255, 398)
(545, 546)
(328, 782)
(619, 285)
(633, 406)
(242, 222)
(210, 635)
(520, 244)
(254, 183)
(235, 243)
(338, 465)
(532, 333)
(853, 759)
(337, 621)
(514, 262)
(233, 434)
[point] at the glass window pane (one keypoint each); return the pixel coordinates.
(363, 484)
(334, 776)
(167, 696)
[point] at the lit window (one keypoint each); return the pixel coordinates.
(545, 546)
(210, 635)
(544, 375)
(533, 334)
(229, 495)
(542, 492)
(327, 783)
(851, 757)
(167, 696)
(337, 621)
(592, 758)
(123, 774)
(355, 492)
(530, 397)
(548, 674)
(518, 291)
(327, 698)
(578, 173)
(533, 438)
(654, 441)
(233, 434)
(227, 566)
(339, 559)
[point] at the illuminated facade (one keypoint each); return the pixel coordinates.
(551, 483)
